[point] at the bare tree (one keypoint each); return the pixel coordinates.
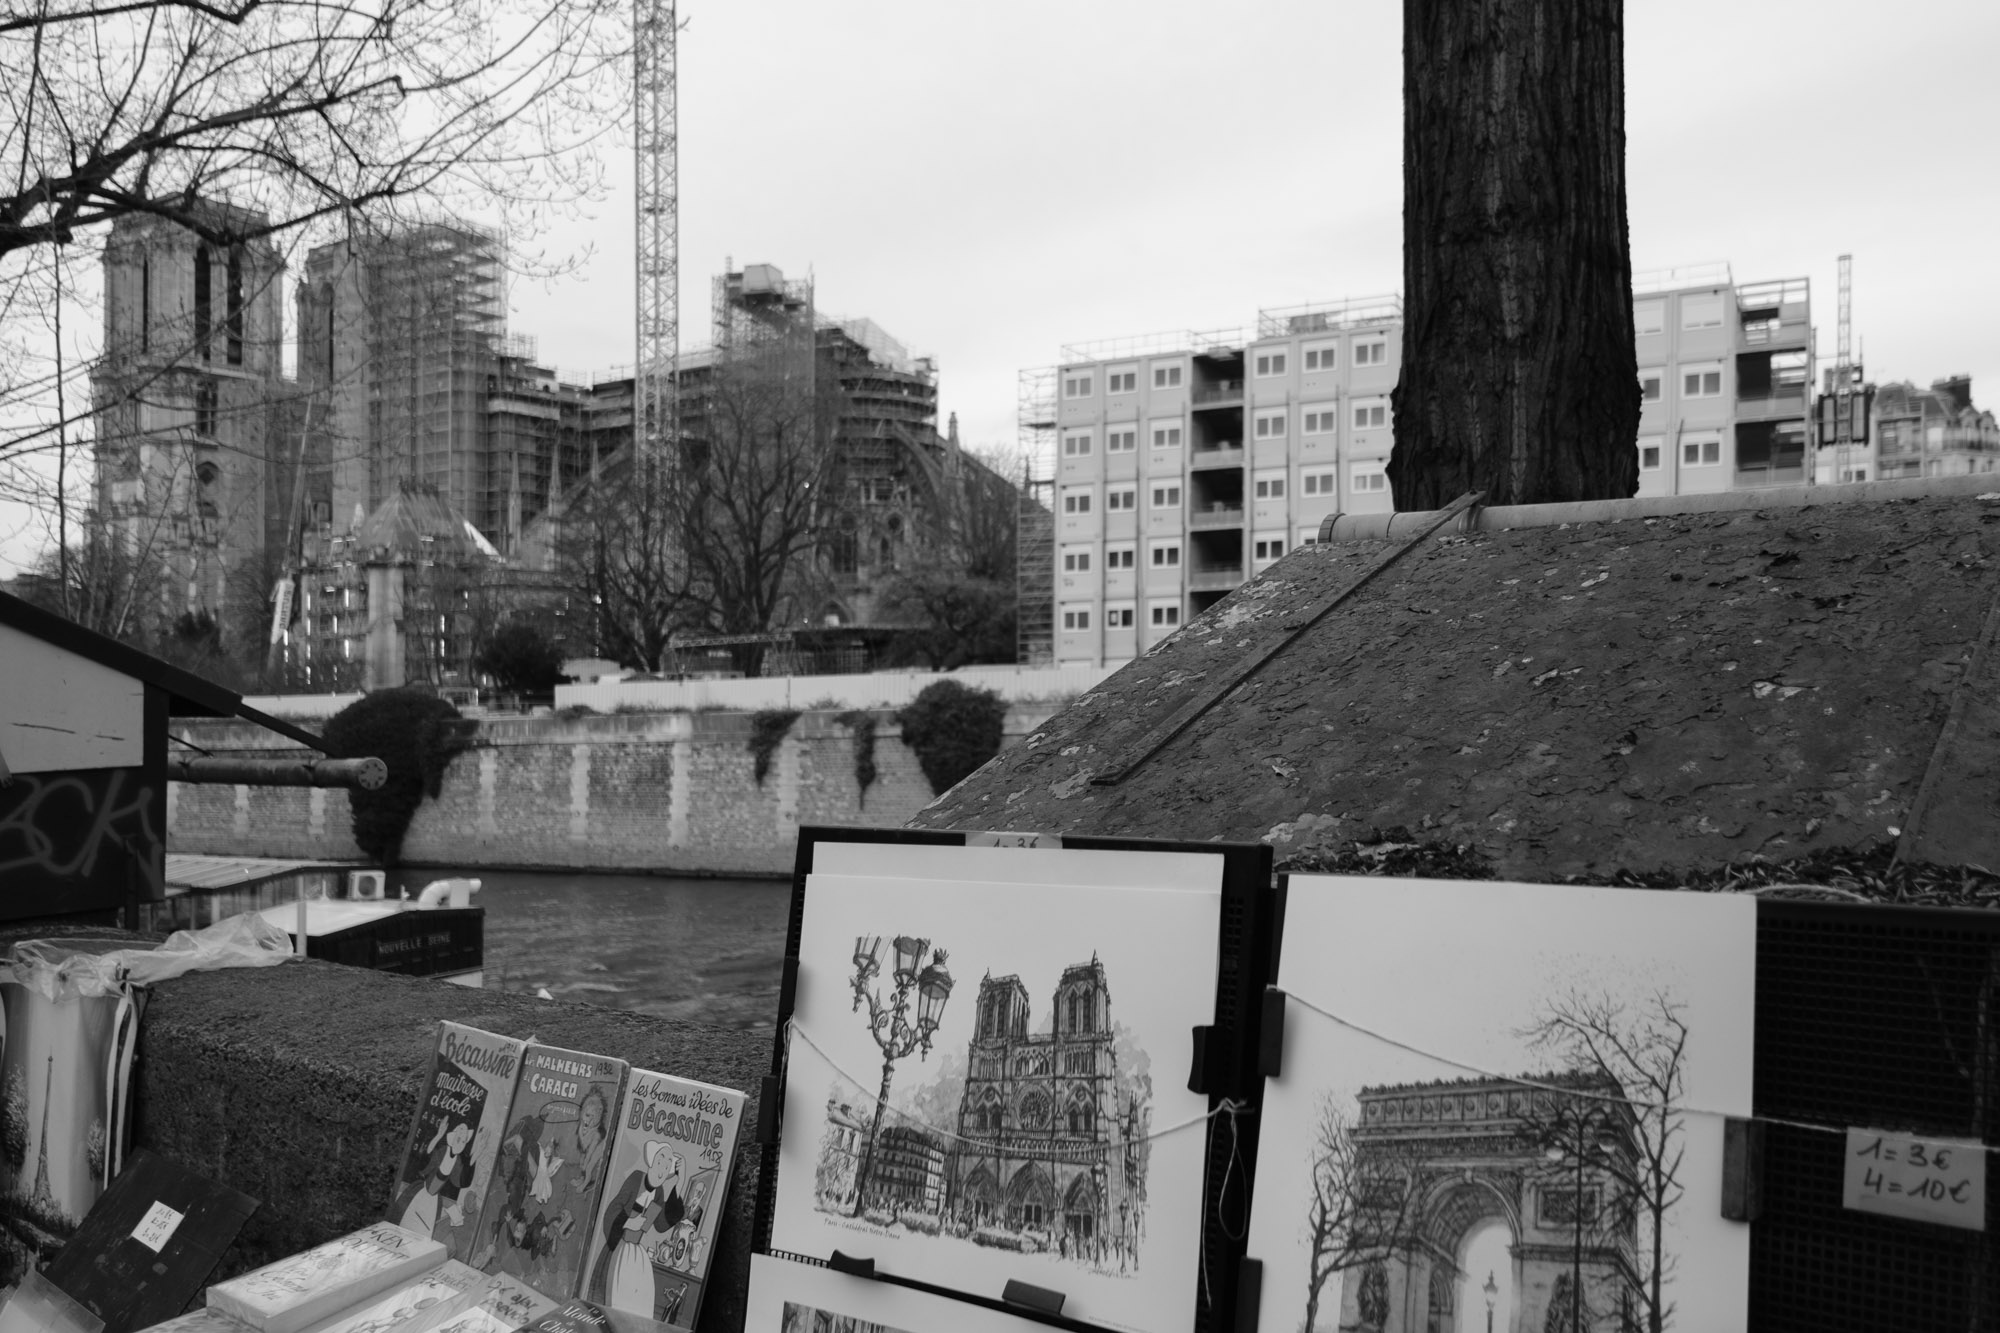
(720, 537)
(1366, 1207)
(958, 593)
(1518, 371)
(1633, 1139)
(302, 109)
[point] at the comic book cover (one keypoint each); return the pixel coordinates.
(534, 1221)
(300, 1290)
(448, 1165)
(663, 1196)
(507, 1305)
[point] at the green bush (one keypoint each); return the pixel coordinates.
(417, 735)
(954, 729)
(522, 660)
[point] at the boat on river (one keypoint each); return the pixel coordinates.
(340, 908)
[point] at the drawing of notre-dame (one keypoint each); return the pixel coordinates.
(1049, 1153)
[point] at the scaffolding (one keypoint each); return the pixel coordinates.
(1035, 521)
(1329, 316)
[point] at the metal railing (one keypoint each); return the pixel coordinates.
(1216, 393)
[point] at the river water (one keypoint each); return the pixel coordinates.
(707, 950)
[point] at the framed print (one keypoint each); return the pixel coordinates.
(1504, 1101)
(789, 1297)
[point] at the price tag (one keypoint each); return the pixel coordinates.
(1013, 840)
(1902, 1175)
(157, 1227)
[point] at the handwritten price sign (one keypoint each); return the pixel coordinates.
(1901, 1175)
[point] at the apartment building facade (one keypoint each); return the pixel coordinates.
(1187, 462)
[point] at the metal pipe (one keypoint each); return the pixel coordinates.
(363, 774)
(1380, 527)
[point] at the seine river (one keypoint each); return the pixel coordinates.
(702, 949)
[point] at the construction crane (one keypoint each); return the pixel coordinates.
(1838, 432)
(656, 142)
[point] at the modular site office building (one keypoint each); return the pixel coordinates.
(1183, 463)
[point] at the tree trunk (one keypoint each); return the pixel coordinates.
(1518, 373)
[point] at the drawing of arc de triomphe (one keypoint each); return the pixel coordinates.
(1444, 1159)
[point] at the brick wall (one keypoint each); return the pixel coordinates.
(656, 791)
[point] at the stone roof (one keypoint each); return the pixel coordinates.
(1677, 691)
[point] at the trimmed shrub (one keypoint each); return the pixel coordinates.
(953, 729)
(417, 735)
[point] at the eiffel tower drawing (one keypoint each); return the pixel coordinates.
(43, 1199)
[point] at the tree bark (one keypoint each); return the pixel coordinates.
(1518, 373)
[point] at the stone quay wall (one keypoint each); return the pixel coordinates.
(664, 792)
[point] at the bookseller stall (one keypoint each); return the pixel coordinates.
(1103, 1084)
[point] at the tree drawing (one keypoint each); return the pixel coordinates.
(1631, 1139)
(1519, 376)
(14, 1121)
(1360, 1214)
(94, 1149)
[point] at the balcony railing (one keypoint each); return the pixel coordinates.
(1214, 578)
(1227, 453)
(1220, 392)
(1217, 515)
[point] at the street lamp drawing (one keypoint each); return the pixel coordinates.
(1492, 1290)
(890, 1024)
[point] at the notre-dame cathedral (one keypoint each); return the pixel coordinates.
(1046, 1143)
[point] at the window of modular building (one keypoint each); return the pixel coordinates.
(1701, 450)
(1702, 312)
(1166, 497)
(1701, 381)
(1167, 437)
(1167, 556)
(1122, 380)
(1649, 386)
(1076, 502)
(1167, 376)
(1319, 421)
(1076, 620)
(1119, 557)
(1167, 614)
(1076, 386)
(1270, 425)
(1270, 488)
(1371, 414)
(1366, 478)
(1118, 617)
(1649, 317)
(1120, 441)
(1320, 356)
(1124, 498)
(1316, 483)
(1076, 446)
(1374, 352)
(1269, 548)
(1649, 453)
(1076, 562)
(1270, 364)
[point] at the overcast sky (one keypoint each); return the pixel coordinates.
(989, 182)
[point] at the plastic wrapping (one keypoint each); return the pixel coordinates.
(62, 969)
(39, 1306)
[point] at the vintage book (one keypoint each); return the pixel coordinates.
(582, 1316)
(296, 1292)
(448, 1166)
(149, 1242)
(534, 1221)
(417, 1307)
(507, 1304)
(663, 1197)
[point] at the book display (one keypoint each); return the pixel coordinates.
(417, 1307)
(671, 1158)
(535, 1220)
(455, 1138)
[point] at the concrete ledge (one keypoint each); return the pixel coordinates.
(297, 1083)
